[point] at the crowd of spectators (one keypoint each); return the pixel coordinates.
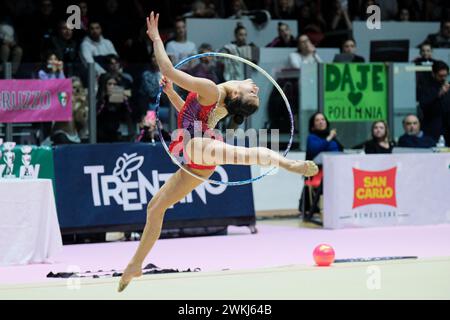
(112, 36)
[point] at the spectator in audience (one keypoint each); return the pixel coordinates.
(206, 68)
(237, 8)
(442, 38)
(311, 23)
(426, 55)
(201, 9)
(149, 131)
(180, 47)
(64, 45)
(338, 17)
(388, 9)
(380, 142)
(404, 15)
(10, 51)
(53, 68)
(43, 24)
(114, 68)
(74, 131)
(321, 138)
(285, 38)
(234, 70)
(306, 53)
(434, 100)
(285, 10)
(116, 26)
(140, 49)
(81, 110)
(95, 48)
(84, 10)
(114, 122)
(411, 9)
(413, 136)
(149, 89)
(349, 48)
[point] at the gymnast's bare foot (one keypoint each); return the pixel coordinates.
(306, 168)
(132, 271)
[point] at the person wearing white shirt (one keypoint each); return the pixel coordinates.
(95, 48)
(180, 48)
(306, 53)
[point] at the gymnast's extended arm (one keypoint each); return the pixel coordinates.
(206, 89)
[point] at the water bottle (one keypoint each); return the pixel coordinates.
(441, 142)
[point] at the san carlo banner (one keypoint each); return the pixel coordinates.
(111, 184)
(386, 190)
(35, 100)
(355, 92)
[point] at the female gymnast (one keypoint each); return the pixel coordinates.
(208, 103)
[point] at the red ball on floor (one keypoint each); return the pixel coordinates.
(323, 255)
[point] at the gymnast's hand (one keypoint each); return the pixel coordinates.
(132, 271)
(167, 85)
(152, 27)
(310, 169)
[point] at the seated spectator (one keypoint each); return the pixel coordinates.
(149, 89)
(320, 137)
(237, 8)
(114, 122)
(201, 9)
(442, 38)
(53, 68)
(64, 45)
(234, 70)
(206, 68)
(81, 109)
(413, 136)
(116, 25)
(349, 49)
(380, 142)
(338, 17)
(311, 23)
(180, 47)
(149, 131)
(95, 48)
(10, 51)
(306, 53)
(75, 131)
(285, 10)
(434, 99)
(426, 55)
(285, 38)
(404, 15)
(114, 68)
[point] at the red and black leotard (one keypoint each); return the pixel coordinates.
(191, 112)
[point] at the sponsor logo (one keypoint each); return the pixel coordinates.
(374, 187)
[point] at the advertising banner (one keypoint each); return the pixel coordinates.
(35, 100)
(111, 184)
(386, 190)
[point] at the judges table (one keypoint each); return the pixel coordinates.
(29, 229)
(385, 189)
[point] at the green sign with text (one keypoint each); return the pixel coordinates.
(355, 92)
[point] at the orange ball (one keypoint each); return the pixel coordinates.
(323, 255)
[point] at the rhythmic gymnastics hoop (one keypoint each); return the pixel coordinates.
(229, 56)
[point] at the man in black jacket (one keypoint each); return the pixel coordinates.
(434, 100)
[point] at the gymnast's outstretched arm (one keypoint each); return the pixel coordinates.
(206, 89)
